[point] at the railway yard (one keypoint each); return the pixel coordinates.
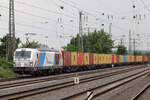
(118, 83)
(74, 50)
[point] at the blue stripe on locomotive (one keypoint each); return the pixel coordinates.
(125, 59)
(42, 59)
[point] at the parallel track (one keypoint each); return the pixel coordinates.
(57, 77)
(143, 90)
(57, 86)
(107, 87)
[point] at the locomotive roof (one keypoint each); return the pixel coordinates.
(37, 49)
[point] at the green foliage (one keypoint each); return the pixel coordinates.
(71, 47)
(6, 68)
(4, 46)
(122, 50)
(137, 53)
(5, 63)
(148, 54)
(96, 42)
(33, 44)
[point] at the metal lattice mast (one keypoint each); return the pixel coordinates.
(80, 31)
(130, 42)
(12, 39)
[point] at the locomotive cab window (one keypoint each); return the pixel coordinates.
(23, 54)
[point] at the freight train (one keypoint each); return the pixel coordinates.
(44, 62)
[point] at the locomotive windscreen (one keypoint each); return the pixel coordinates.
(23, 54)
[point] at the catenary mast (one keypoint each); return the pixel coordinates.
(11, 39)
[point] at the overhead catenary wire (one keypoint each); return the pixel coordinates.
(44, 9)
(145, 6)
(118, 27)
(90, 14)
(33, 26)
(55, 20)
(64, 8)
(27, 13)
(42, 17)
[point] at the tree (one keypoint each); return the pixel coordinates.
(4, 46)
(137, 53)
(71, 47)
(122, 50)
(33, 44)
(99, 42)
(148, 54)
(96, 42)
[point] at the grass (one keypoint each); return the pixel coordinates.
(6, 68)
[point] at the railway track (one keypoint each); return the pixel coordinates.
(60, 85)
(26, 81)
(99, 90)
(23, 77)
(140, 95)
(15, 78)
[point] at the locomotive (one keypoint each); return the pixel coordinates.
(44, 62)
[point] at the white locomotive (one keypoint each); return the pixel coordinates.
(32, 61)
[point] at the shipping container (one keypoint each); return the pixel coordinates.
(118, 59)
(121, 58)
(128, 58)
(134, 58)
(125, 59)
(106, 58)
(102, 58)
(86, 59)
(140, 59)
(98, 59)
(67, 58)
(80, 59)
(143, 58)
(95, 58)
(113, 58)
(109, 59)
(137, 58)
(146, 58)
(131, 58)
(91, 59)
(73, 58)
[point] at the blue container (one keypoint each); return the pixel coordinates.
(125, 59)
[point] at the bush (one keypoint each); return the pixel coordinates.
(6, 68)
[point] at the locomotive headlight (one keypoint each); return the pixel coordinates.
(31, 63)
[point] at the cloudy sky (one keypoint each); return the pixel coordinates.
(55, 26)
